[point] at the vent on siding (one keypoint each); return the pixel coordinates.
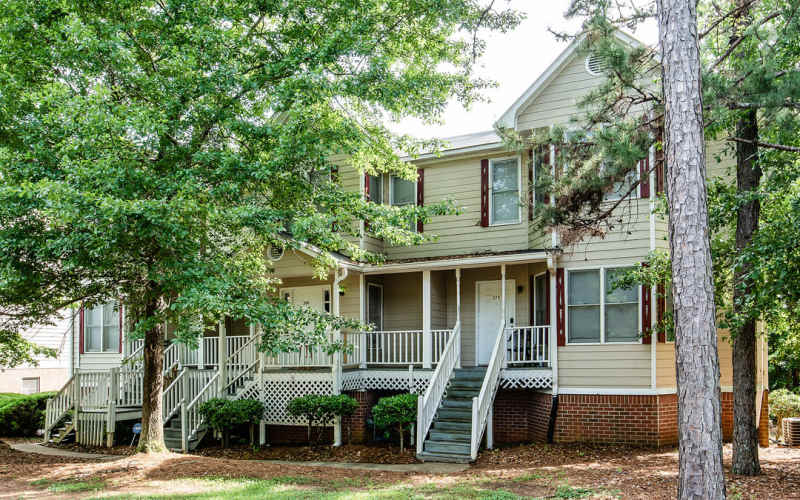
(275, 252)
(595, 65)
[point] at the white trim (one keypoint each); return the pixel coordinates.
(492, 161)
(613, 391)
(452, 152)
(464, 262)
(602, 304)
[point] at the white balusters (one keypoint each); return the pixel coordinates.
(428, 403)
(528, 345)
(482, 403)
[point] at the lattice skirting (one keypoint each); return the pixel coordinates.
(526, 379)
(279, 389)
(386, 380)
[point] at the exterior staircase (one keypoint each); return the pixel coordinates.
(172, 435)
(450, 434)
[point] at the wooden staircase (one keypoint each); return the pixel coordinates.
(450, 434)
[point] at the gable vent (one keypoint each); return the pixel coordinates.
(595, 65)
(275, 252)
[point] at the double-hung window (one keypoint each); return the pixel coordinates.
(375, 188)
(504, 198)
(101, 328)
(597, 313)
(401, 193)
(621, 187)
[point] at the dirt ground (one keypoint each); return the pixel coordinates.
(524, 471)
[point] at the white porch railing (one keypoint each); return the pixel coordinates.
(399, 347)
(528, 345)
(428, 403)
(184, 388)
(58, 406)
(241, 362)
(191, 419)
(482, 403)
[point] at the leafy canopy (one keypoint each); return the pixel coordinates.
(150, 150)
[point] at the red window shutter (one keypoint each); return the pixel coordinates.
(531, 166)
(420, 193)
(366, 187)
(647, 309)
(644, 178)
(659, 159)
(120, 329)
(661, 308)
(485, 193)
(335, 174)
(561, 330)
(80, 330)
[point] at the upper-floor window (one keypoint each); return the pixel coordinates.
(621, 187)
(403, 192)
(541, 168)
(101, 328)
(375, 188)
(504, 183)
(597, 313)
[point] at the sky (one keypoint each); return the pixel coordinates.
(513, 60)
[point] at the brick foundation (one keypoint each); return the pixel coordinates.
(295, 434)
(357, 423)
(607, 419)
(521, 416)
(763, 422)
(727, 416)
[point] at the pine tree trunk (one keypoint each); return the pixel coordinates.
(697, 362)
(745, 433)
(152, 437)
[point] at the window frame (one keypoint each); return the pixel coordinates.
(379, 191)
(38, 381)
(102, 325)
(492, 161)
(412, 223)
(603, 341)
(635, 195)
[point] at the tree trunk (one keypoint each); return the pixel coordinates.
(400, 428)
(696, 358)
(745, 433)
(152, 438)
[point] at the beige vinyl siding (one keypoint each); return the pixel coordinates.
(439, 304)
(557, 102)
(460, 180)
(293, 264)
(665, 365)
(469, 278)
(604, 366)
(402, 301)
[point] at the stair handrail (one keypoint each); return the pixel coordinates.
(238, 373)
(428, 403)
(172, 397)
(191, 419)
(58, 406)
(482, 403)
(137, 352)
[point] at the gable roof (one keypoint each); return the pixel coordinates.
(509, 118)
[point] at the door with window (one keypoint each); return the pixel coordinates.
(488, 312)
(316, 297)
(541, 302)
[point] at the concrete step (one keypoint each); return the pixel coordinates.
(447, 447)
(464, 375)
(427, 456)
(451, 436)
(457, 403)
(465, 385)
(461, 394)
(445, 425)
(454, 414)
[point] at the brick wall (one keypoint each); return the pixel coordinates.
(521, 416)
(667, 419)
(763, 423)
(357, 423)
(295, 434)
(607, 419)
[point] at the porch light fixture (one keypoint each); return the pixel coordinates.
(520, 289)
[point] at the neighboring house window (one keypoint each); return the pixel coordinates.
(621, 187)
(30, 385)
(375, 188)
(101, 328)
(402, 193)
(596, 313)
(504, 181)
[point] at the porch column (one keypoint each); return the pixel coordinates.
(336, 369)
(201, 347)
(427, 340)
(362, 337)
(503, 332)
(222, 357)
(552, 265)
(458, 307)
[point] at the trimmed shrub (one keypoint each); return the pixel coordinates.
(783, 404)
(320, 411)
(22, 415)
(396, 412)
(225, 415)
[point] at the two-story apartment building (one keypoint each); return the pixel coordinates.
(505, 335)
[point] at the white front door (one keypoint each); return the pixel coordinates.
(488, 315)
(317, 297)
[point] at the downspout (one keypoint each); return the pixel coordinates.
(552, 264)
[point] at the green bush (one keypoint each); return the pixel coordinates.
(396, 412)
(783, 404)
(22, 415)
(321, 410)
(225, 415)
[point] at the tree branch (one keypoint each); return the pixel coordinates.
(769, 145)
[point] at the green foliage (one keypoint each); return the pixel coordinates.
(319, 410)
(23, 415)
(16, 350)
(783, 404)
(396, 412)
(656, 273)
(224, 414)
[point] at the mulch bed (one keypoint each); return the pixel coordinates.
(121, 450)
(355, 453)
